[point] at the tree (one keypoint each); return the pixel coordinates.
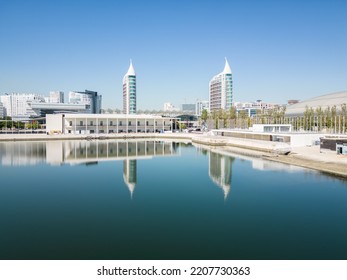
(204, 115)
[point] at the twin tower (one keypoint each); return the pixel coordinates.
(220, 90)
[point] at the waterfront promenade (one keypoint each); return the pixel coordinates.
(307, 156)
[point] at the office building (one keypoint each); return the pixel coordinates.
(89, 98)
(129, 91)
(221, 89)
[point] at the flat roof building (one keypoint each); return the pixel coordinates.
(107, 124)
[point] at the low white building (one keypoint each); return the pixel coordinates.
(107, 123)
(2, 113)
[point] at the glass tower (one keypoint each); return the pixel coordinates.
(129, 91)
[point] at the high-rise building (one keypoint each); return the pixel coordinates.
(221, 89)
(87, 97)
(129, 91)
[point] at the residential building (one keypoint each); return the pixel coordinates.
(221, 89)
(202, 105)
(129, 91)
(89, 98)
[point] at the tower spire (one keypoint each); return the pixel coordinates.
(227, 69)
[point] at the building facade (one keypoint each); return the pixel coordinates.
(55, 97)
(18, 105)
(202, 105)
(221, 89)
(107, 124)
(2, 113)
(89, 98)
(129, 91)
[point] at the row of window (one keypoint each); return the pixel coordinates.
(92, 131)
(101, 123)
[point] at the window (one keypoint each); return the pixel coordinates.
(101, 123)
(81, 122)
(111, 122)
(146, 122)
(138, 122)
(70, 123)
(120, 123)
(129, 122)
(91, 123)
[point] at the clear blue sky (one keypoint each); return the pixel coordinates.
(278, 50)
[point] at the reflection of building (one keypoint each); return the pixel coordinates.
(220, 171)
(221, 90)
(129, 174)
(129, 91)
(22, 153)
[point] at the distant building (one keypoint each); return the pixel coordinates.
(18, 105)
(202, 105)
(221, 90)
(2, 113)
(188, 108)
(292, 101)
(168, 107)
(55, 97)
(129, 91)
(89, 98)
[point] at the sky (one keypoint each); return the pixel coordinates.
(277, 50)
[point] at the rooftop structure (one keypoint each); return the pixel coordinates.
(324, 101)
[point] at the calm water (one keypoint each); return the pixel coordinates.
(163, 200)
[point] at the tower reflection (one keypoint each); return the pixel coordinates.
(220, 171)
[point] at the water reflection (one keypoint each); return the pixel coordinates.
(219, 170)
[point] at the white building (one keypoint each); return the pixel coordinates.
(129, 91)
(202, 105)
(107, 123)
(221, 89)
(18, 105)
(168, 107)
(55, 97)
(87, 97)
(2, 113)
